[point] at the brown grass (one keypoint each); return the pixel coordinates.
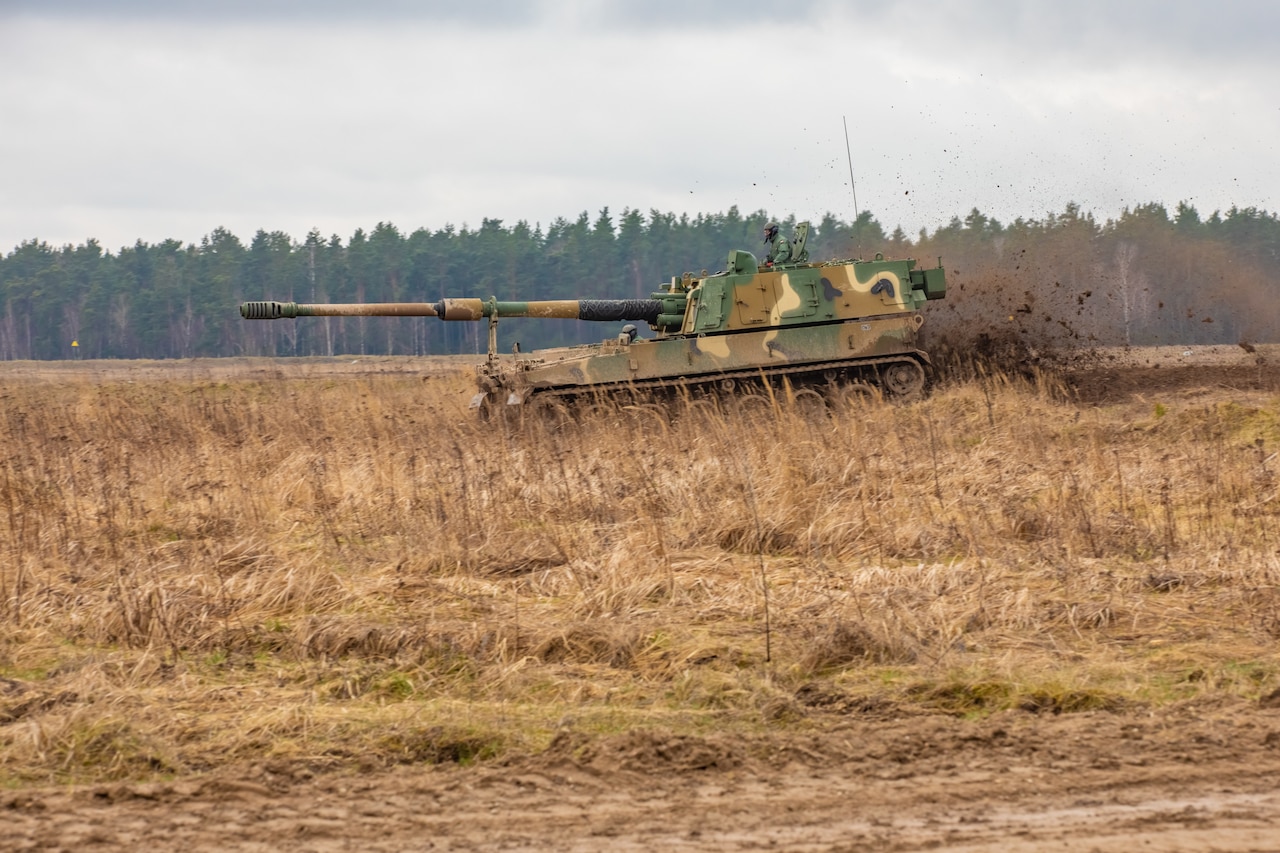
(338, 571)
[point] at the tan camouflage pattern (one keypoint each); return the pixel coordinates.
(691, 360)
(850, 320)
(840, 319)
(809, 293)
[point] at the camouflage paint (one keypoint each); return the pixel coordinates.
(850, 319)
(690, 360)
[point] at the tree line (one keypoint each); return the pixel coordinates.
(1145, 277)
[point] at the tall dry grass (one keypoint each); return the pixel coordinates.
(344, 572)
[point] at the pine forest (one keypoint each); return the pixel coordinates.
(1147, 277)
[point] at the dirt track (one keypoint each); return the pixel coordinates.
(1193, 778)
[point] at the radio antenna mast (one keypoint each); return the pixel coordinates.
(853, 186)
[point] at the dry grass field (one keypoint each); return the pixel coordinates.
(275, 575)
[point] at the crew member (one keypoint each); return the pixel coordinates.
(779, 246)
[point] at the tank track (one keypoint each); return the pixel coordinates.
(916, 358)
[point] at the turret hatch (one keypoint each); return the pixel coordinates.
(755, 300)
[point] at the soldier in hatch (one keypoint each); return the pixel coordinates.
(779, 247)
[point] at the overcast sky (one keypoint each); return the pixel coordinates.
(150, 119)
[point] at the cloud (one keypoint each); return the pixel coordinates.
(489, 13)
(486, 14)
(1097, 28)
(152, 120)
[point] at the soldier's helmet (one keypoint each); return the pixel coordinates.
(770, 231)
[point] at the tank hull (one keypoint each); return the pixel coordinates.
(823, 353)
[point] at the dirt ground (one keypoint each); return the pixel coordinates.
(221, 369)
(1200, 777)
(1097, 375)
(1117, 375)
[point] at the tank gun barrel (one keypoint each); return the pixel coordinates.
(602, 310)
(271, 310)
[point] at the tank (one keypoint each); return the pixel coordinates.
(833, 328)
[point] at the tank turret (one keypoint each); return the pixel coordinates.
(827, 325)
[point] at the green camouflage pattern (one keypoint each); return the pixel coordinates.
(692, 360)
(809, 323)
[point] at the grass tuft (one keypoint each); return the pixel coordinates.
(330, 573)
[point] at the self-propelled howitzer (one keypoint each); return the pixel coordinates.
(828, 326)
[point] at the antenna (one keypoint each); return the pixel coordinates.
(853, 186)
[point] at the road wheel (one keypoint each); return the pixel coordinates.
(753, 406)
(648, 417)
(809, 404)
(903, 381)
(701, 411)
(851, 396)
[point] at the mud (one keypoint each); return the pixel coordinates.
(1113, 385)
(1195, 777)
(1117, 374)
